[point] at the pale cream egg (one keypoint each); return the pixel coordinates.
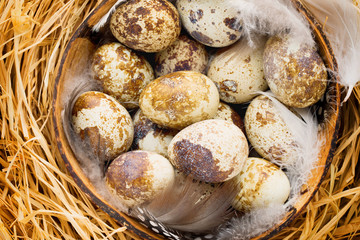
(146, 25)
(295, 72)
(211, 150)
(237, 72)
(138, 177)
(184, 54)
(213, 23)
(225, 112)
(104, 123)
(268, 133)
(262, 183)
(149, 136)
(179, 99)
(122, 72)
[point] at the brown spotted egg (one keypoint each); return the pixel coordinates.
(225, 112)
(179, 99)
(105, 123)
(268, 133)
(122, 72)
(262, 183)
(137, 177)
(149, 136)
(295, 72)
(146, 25)
(211, 150)
(213, 23)
(184, 54)
(238, 73)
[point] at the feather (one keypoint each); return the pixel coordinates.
(106, 17)
(341, 21)
(252, 224)
(190, 206)
(271, 17)
(304, 127)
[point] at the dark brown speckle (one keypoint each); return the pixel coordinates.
(198, 161)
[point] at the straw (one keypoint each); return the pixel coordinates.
(38, 198)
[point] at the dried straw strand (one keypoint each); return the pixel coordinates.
(38, 198)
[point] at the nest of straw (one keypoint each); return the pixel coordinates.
(39, 200)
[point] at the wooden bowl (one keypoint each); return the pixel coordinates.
(74, 63)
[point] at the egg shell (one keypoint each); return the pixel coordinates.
(212, 150)
(268, 133)
(122, 72)
(149, 136)
(225, 112)
(184, 54)
(137, 177)
(262, 183)
(146, 25)
(213, 23)
(237, 72)
(179, 99)
(295, 72)
(105, 123)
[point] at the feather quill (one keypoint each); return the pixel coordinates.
(341, 21)
(106, 17)
(190, 206)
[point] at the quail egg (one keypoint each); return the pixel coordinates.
(179, 99)
(211, 150)
(104, 123)
(137, 177)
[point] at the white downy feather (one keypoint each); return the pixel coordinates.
(252, 224)
(306, 134)
(341, 21)
(190, 206)
(271, 17)
(305, 130)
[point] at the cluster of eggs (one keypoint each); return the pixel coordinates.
(183, 121)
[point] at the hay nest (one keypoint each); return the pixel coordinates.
(39, 200)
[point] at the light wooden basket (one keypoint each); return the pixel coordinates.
(80, 49)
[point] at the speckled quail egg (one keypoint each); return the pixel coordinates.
(149, 136)
(179, 99)
(211, 150)
(184, 54)
(137, 177)
(122, 72)
(262, 183)
(213, 23)
(238, 73)
(104, 123)
(295, 72)
(225, 112)
(146, 25)
(268, 133)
